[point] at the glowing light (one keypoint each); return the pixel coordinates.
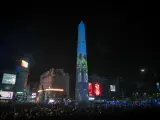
(97, 91)
(112, 88)
(19, 92)
(33, 95)
(90, 89)
(60, 90)
(91, 98)
(24, 64)
(157, 83)
(6, 95)
(9, 78)
(143, 70)
(51, 101)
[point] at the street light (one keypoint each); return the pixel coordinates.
(143, 70)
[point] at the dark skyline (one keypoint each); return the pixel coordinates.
(119, 41)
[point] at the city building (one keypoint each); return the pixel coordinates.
(118, 87)
(107, 88)
(55, 80)
(22, 76)
(14, 82)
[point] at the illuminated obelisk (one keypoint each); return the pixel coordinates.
(81, 92)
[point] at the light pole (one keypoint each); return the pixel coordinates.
(143, 79)
(143, 71)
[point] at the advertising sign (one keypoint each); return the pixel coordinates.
(6, 95)
(90, 89)
(9, 78)
(24, 64)
(112, 88)
(97, 89)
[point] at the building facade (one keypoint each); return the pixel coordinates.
(55, 79)
(46, 79)
(119, 87)
(22, 79)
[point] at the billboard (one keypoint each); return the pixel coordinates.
(9, 79)
(97, 89)
(90, 91)
(6, 95)
(24, 64)
(94, 89)
(112, 88)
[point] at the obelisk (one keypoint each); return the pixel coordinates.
(81, 91)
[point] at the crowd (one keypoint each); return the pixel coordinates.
(10, 111)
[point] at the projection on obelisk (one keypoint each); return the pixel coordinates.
(81, 92)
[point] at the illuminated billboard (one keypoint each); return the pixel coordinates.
(94, 89)
(90, 91)
(112, 88)
(9, 78)
(24, 64)
(97, 89)
(6, 95)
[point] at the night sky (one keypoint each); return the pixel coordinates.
(121, 39)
